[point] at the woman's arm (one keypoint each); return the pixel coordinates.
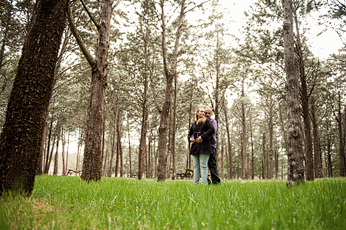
(190, 136)
(209, 130)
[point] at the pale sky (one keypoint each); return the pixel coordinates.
(322, 45)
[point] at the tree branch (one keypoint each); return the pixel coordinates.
(79, 40)
(196, 6)
(154, 93)
(90, 16)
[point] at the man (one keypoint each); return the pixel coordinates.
(212, 158)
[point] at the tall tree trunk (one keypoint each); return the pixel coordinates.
(317, 146)
(264, 157)
(229, 145)
(103, 144)
(105, 163)
(169, 73)
(67, 150)
(27, 108)
(94, 124)
(56, 158)
(217, 88)
(156, 151)
(47, 156)
(244, 168)
(329, 155)
(169, 149)
(295, 171)
(282, 170)
(222, 158)
(149, 159)
(252, 156)
(276, 163)
(78, 156)
(341, 142)
(270, 150)
(117, 157)
(284, 134)
(119, 147)
(143, 140)
(188, 158)
(50, 155)
(129, 136)
(145, 114)
(41, 163)
(63, 151)
(305, 106)
(109, 173)
(174, 171)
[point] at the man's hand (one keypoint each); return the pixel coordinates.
(199, 140)
(192, 140)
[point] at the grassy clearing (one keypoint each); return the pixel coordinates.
(119, 203)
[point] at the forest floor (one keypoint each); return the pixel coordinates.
(62, 202)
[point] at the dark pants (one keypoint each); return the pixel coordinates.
(215, 179)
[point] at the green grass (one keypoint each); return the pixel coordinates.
(119, 203)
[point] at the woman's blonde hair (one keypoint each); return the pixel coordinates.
(202, 119)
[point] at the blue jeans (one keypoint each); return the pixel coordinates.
(200, 168)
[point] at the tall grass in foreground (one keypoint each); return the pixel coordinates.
(119, 203)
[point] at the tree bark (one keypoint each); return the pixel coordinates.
(56, 158)
(244, 168)
(63, 151)
(103, 145)
(317, 146)
(143, 140)
(230, 166)
(50, 155)
(295, 171)
(284, 134)
(174, 171)
(329, 155)
(144, 123)
(105, 163)
(129, 136)
(169, 73)
(94, 124)
(40, 164)
(47, 156)
(222, 158)
(305, 107)
(276, 163)
(67, 150)
(217, 88)
(188, 158)
(341, 142)
(149, 159)
(264, 157)
(270, 150)
(252, 156)
(27, 108)
(109, 173)
(119, 147)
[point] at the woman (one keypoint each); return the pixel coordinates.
(200, 133)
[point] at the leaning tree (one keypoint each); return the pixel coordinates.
(21, 138)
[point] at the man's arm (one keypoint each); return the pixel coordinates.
(214, 124)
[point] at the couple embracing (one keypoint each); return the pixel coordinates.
(202, 135)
